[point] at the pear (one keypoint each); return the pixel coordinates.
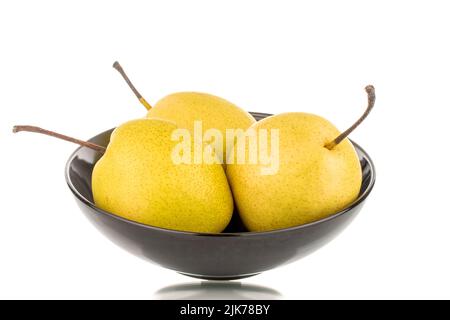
(318, 173)
(183, 108)
(137, 179)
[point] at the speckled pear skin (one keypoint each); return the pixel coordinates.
(184, 108)
(312, 182)
(137, 180)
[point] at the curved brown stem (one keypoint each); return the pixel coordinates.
(371, 102)
(119, 68)
(87, 144)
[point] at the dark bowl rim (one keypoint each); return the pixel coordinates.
(355, 203)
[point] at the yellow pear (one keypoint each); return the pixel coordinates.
(215, 113)
(318, 174)
(184, 108)
(139, 179)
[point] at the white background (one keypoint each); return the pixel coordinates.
(55, 71)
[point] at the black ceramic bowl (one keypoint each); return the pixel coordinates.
(230, 255)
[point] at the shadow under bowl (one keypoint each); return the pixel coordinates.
(233, 254)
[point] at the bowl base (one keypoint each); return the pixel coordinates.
(219, 278)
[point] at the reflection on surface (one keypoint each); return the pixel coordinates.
(224, 290)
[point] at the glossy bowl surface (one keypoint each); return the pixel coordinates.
(233, 254)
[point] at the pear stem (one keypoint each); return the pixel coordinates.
(371, 102)
(119, 68)
(34, 129)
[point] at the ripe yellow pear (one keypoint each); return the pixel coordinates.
(183, 108)
(137, 179)
(318, 174)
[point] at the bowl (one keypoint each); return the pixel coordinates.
(233, 254)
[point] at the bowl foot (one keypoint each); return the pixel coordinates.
(219, 278)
